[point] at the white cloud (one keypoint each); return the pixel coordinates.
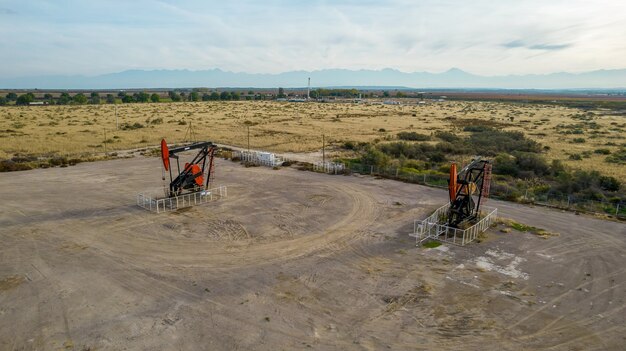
(484, 37)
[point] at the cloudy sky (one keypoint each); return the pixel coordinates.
(483, 37)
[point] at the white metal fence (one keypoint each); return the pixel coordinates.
(259, 158)
(173, 203)
(435, 227)
(329, 167)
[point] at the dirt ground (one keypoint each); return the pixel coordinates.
(291, 260)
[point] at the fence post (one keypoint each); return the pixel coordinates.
(568, 200)
(371, 169)
(617, 209)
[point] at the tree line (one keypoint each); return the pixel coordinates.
(137, 97)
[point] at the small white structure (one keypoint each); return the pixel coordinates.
(391, 102)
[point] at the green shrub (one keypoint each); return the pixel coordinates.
(417, 165)
(490, 142)
(413, 136)
(374, 157)
(525, 165)
(437, 157)
(617, 157)
(477, 128)
(602, 151)
(349, 145)
(575, 157)
(58, 161)
(609, 183)
(128, 126)
(447, 136)
(12, 166)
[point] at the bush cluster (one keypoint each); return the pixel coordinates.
(413, 136)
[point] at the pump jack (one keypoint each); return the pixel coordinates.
(193, 175)
(471, 182)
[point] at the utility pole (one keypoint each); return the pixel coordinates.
(308, 89)
(323, 150)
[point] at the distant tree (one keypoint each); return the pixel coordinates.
(250, 92)
(110, 99)
(281, 93)
(214, 96)
(127, 99)
(155, 97)
(194, 96)
(385, 93)
(64, 99)
(174, 96)
(234, 95)
(224, 95)
(400, 94)
(48, 97)
(314, 94)
(183, 96)
(94, 98)
(206, 97)
(11, 96)
(80, 98)
(141, 97)
(25, 99)
(121, 94)
(3, 101)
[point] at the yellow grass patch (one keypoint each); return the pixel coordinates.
(298, 127)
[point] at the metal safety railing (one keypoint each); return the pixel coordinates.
(329, 167)
(173, 203)
(435, 227)
(259, 158)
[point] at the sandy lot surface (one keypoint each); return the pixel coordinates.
(291, 260)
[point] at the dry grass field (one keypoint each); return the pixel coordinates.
(73, 131)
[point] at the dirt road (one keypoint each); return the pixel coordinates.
(290, 260)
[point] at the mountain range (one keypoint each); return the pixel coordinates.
(215, 78)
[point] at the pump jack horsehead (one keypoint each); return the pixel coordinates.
(466, 190)
(197, 174)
